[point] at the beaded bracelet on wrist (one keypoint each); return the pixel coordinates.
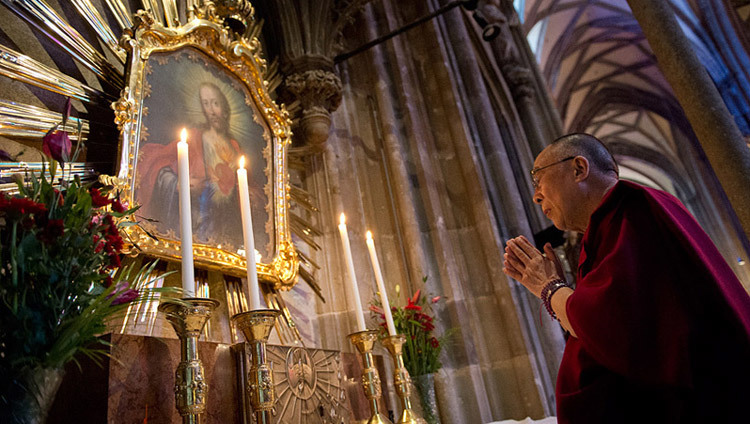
(549, 290)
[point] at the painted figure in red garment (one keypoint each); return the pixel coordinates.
(214, 155)
(659, 324)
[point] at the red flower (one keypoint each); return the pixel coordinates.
(434, 342)
(114, 261)
(117, 206)
(17, 206)
(57, 145)
(97, 199)
(414, 299)
(412, 303)
(435, 299)
(52, 230)
(27, 223)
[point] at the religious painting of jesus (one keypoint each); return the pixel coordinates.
(188, 89)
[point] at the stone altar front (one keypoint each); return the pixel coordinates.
(136, 385)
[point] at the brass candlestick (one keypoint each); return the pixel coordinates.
(402, 379)
(188, 316)
(364, 341)
(256, 326)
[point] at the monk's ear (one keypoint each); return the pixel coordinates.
(581, 168)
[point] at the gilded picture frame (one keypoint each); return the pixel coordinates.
(173, 76)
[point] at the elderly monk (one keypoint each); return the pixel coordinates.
(659, 324)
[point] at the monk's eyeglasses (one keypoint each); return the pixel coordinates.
(534, 172)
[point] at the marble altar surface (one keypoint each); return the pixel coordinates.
(136, 385)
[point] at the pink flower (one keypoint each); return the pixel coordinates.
(57, 145)
(123, 294)
(435, 299)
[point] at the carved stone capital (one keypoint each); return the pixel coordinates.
(316, 88)
(520, 79)
(319, 93)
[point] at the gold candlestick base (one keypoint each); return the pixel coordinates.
(364, 341)
(256, 326)
(188, 316)
(402, 379)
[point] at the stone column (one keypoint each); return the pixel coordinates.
(708, 115)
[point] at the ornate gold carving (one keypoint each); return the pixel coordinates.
(242, 58)
(109, 180)
(190, 388)
(124, 108)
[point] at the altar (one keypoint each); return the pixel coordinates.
(136, 385)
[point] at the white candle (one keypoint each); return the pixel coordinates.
(253, 290)
(350, 271)
(186, 223)
(381, 285)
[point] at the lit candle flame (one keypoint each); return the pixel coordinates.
(368, 235)
(342, 219)
(183, 135)
(242, 161)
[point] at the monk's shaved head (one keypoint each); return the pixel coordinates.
(588, 146)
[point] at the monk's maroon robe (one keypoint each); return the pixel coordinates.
(662, 323)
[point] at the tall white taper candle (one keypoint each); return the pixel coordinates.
(381, 285)
(253, 290)
(350, 271)
(186, 223)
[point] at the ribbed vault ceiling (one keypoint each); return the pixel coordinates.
(604, 79)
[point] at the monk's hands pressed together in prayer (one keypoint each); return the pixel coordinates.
(523, 262)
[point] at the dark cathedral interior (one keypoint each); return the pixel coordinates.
(383, 150)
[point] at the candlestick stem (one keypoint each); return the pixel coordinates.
(402, 379)
(364, 341)
(188, 317)
(256, 325)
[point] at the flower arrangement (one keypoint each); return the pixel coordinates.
(422, 348)
(61, 278)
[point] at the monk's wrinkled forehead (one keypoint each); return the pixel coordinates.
(549, 154)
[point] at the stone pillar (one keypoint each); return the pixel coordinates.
(708, 115)
(306, 35)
